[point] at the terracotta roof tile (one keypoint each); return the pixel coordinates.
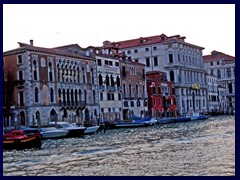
(217, 56)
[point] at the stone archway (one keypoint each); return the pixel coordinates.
(87, 116)
(53, 116)
(22, 118)
(38, 119)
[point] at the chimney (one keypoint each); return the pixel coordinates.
(31, 42)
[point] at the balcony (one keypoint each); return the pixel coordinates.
(111, 88)
(119, 88)
(20, 83)
(102, 88)
(72, 104)
(144, 95)
(126, 96)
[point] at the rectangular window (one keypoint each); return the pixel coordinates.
(154, 101)
(106, 62)
(109, 109)
(116, 63)
(99, 61)
(132, 103)
(179, 57)
(20, 75)
(160, 101)
(154, 48)
(170, 58)
(159, 90)
(110, 63)
(119, 96)
(146, 49)
(102, 110)
(136, 60)
(153, 90)
(19, 59)
(20, 98)
(101, 96)
(135, 51)
(155, 61)
(128, 52)
(147, 62)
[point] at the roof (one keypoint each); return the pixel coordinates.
(26, 47)
(217, 56)
(144, 41)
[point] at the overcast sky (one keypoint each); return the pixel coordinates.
(211, 26)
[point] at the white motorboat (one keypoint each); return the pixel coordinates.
(91, 130)
(72, 130)
(52, 133)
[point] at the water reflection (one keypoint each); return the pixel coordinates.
(189, 148)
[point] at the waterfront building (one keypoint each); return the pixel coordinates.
(109, 81)
(134, 89)
(161, 95)
(223, 67)
(43, 85)
(181, 61)
(222, 99)
(213, 98)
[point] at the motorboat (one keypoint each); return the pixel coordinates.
(91, 130)
(165, 120)
(197, 116)
(53, 133)
(73, 131)
(22, 139)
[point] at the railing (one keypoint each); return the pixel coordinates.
(72, 103)
(144, 95)
(102, 88)
(125, 96)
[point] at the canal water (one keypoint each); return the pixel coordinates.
(197, 148)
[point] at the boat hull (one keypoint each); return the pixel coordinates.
(29, 139)
(91, 130)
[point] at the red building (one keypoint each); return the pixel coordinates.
(161, 95)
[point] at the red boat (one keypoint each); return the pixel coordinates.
(22, 139)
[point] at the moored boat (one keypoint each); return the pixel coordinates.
(22, 139)
(72, 130)
(52, 133)
(91, 130)
(165, 120)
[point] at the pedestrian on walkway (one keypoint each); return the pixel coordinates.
(105, 124)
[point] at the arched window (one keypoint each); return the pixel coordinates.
(78, 75)
(94, 96)
(100, 80)
(80, 94)
(230, 89)
(92, 75)
(85, 95)
(72, 97)
(172, 76)
(112, 81)
(107, 81)
(51, 95)
(50, 74)
(36, 95)
(59, 96)
(76, 97)
(229, 74)
(118, 81)
(64, 97)
(219, 73)
(68, 97)
(83, 71)
(34, 70)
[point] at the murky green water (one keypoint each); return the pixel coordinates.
(183, 149)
